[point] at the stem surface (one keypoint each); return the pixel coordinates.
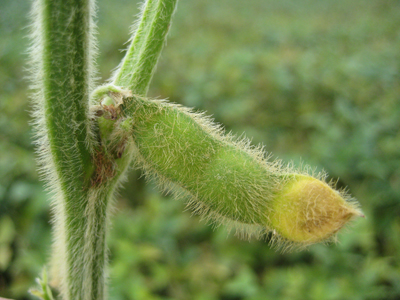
(79, 169)
(144, 51)
(61, 51)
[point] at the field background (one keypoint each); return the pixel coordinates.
(315, 81)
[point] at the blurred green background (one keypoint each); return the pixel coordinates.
(316, 81)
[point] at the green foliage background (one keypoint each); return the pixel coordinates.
(312, 79)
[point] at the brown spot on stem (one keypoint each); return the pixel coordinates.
(105, 168)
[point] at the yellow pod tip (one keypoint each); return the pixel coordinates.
(308, 210)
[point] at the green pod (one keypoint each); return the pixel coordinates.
(186, 149)
(227, 180)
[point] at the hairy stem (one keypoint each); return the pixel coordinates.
(144, 51)
(82, 205)
(130, 60)
(61, 75)
(66, 26)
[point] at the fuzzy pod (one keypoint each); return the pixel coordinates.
(226, 180)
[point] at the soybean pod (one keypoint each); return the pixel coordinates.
(226, 180)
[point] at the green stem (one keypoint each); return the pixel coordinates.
(130, 60)
(66, 27)
(72, 161)
(62, 76)
(144, 51)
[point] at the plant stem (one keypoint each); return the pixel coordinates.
(61, 52)
(144, 51)
(70, 157)
(130, 60)
(66, 27)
